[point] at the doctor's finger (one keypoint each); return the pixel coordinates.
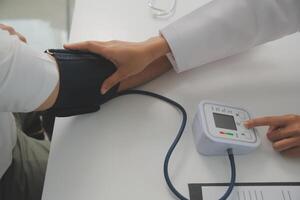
(266, 121)
(111, 81)
(90, 46)
(293, 152)
(282, 133)
(272, 128)
(286, 143)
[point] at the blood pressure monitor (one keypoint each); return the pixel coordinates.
(218, 127)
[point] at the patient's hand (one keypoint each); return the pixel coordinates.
(284, 132)
(131, 58)
(12, 31)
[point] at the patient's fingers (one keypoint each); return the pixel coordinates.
(12, 31)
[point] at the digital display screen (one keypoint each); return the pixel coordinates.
(224, 121)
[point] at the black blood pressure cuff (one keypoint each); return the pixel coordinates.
(81, 77)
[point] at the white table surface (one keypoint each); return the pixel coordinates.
(118, 153)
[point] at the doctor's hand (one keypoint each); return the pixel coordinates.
(283, 132)
(130, 58)
(12, 31)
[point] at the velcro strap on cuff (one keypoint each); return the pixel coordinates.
(81, 77)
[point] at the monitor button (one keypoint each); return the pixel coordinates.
(242, 115)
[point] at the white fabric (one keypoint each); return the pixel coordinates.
(27, 78)
(223, 28)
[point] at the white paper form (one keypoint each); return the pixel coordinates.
(249, 192)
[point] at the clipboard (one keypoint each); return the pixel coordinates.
(246, 191)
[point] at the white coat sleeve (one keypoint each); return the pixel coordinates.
(27, 77)
(223, 28)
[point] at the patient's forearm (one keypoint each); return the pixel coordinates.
(155, 69)
(50, 100)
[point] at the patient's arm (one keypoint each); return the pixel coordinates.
(153, 70)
